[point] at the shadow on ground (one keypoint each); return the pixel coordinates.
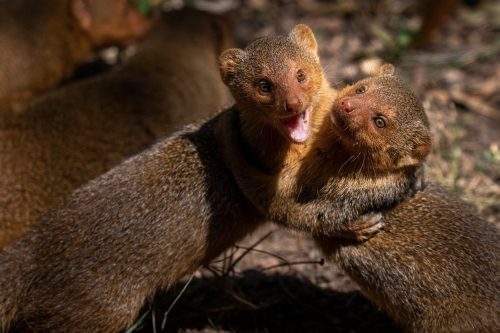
(258, 302)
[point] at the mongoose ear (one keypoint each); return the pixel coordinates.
(303, 35)
(418, 154)
(387, 69)
(229, 61)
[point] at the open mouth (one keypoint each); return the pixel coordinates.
(297, 127)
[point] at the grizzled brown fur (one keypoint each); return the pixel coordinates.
(90, 264)
(42, 41)
(76, 133)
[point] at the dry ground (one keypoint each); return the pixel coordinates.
(458, 79)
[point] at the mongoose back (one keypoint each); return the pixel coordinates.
(78, 132)
(434, 266)
(90, 264)
(43, 41)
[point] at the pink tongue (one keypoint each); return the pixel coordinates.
(297, 127)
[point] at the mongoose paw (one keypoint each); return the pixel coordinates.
(361, 229)
(366, 226)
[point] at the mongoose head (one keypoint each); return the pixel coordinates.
(277, 79)
(383, 116)
(109, 22)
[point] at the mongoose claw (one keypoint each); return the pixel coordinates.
(367, 225)
(363, 228)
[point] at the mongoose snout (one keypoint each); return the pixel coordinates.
(346, 105)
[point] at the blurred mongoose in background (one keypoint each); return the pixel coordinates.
(434, 266)
(78, 132)
(90, 264)
(43, 41)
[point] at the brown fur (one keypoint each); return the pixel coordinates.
(80, 131)
(43, 41)
(434, 267)
(90, 264)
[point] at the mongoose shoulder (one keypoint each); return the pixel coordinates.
(90, 264)
(43, 41)
(78, 132)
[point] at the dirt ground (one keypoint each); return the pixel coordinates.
(280, 285)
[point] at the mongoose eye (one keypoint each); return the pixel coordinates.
(265, 86)
(301, 76)
(380, 122)
(360, 90)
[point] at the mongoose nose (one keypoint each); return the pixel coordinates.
(346, 106)
(293, 105)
